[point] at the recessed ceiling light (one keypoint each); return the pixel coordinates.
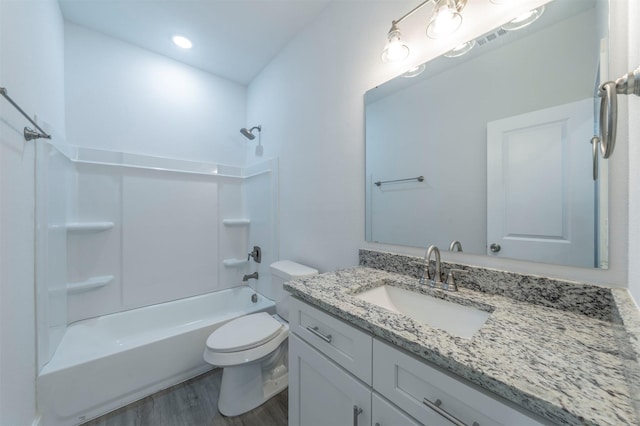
(182, 42)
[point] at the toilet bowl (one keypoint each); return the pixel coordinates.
(252, 350)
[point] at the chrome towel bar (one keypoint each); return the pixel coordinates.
(29, 134)
(419, 179)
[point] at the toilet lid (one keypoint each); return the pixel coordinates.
(244, 333)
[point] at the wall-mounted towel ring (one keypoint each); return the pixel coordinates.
(626, 85)
(608, 118)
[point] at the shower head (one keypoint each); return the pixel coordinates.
(248, 133)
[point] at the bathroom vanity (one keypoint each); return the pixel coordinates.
(343, 375)
(354, 362)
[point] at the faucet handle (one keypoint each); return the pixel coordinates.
(450, 284)
(256, 253)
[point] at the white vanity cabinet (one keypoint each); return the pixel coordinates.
(341, 375)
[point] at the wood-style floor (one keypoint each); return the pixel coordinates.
(193, 403)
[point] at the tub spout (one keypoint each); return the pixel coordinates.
(248, 277)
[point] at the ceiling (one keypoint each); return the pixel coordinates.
(233, 39)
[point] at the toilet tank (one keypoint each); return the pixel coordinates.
(286, 270)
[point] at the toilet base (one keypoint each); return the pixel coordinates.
(244, 389)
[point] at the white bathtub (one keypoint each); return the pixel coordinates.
(107, 362)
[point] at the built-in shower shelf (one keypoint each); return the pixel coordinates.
(236, 222)
(92, 283)
(88, 227)
(234, 263)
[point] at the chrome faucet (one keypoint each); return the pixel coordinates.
(436, 281)
(248, 277)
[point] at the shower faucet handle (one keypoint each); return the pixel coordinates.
(256, 254)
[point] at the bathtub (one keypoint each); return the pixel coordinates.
(107, 362)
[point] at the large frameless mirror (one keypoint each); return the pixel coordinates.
(493, 148)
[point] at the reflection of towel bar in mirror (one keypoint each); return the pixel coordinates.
(419, 179)
(626, 85)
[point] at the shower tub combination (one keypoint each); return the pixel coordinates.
(107, 362)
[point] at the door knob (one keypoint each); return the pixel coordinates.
(495, 248)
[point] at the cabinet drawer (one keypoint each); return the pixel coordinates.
(343, 343)
(407, 382)
(387, 414)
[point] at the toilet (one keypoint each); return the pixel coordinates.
(252, 349)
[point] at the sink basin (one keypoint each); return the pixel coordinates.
(458, 320)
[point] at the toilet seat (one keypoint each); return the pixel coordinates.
(244, 333)
(245, 339)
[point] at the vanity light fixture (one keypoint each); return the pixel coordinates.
(182, 41)
(461, 49)
(524, 20)
(445, 19)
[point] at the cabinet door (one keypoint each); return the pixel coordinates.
(321, 393)
(386, 414)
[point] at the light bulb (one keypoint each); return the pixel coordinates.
(395, 50)
(446, 20)
(182, 41)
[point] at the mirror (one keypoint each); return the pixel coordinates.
(501, 138)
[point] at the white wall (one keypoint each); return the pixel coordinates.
(31, 68)
(123, 98)
(634, 156)
(310, 102)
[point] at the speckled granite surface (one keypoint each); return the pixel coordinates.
(568, 366)
(593, 301)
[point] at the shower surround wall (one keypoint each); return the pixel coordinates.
(113, 238)
(139, 230)
(162, 246)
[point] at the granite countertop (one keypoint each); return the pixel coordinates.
(565, 366)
